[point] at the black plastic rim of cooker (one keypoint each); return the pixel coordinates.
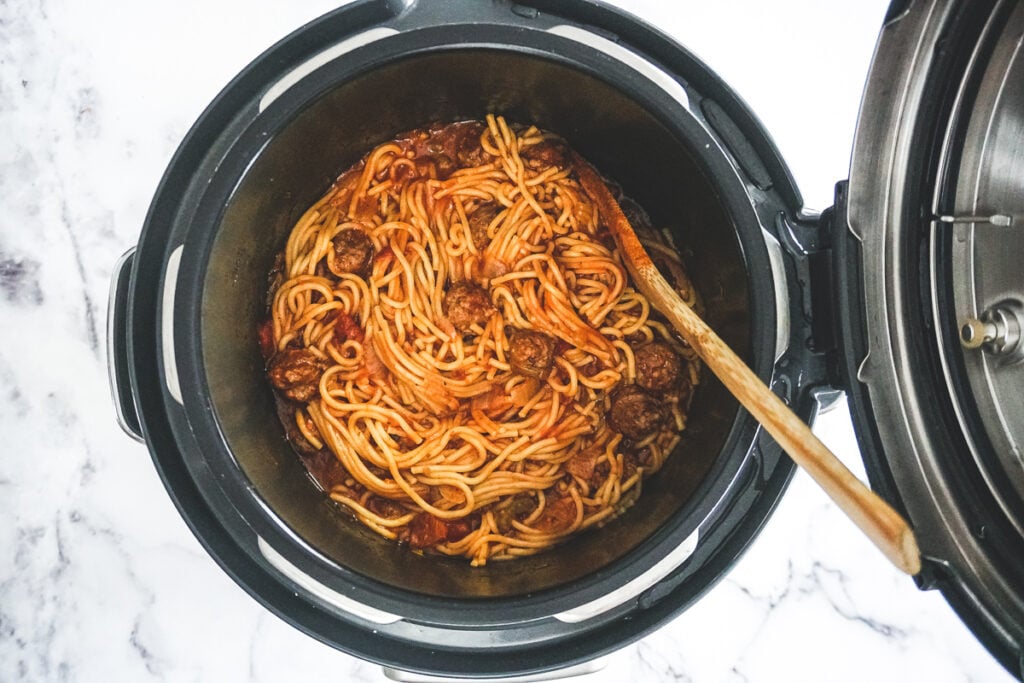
(195, 179)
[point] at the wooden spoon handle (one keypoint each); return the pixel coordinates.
(876, 518)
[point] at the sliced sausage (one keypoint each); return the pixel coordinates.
(531, 353)
(480, 220)
(296, 373)
(466, 304)
(468, 150)
(353, 252)
(546, 153)
(658, 367)
(635, 413)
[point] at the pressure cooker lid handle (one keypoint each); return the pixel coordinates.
(117, 347)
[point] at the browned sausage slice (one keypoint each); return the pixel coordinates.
(479, 221)
(658, 367)
(296, 373)
(547, 152)
(466, 304)
(634, 412)
(531, 353)
(353, 252)
(468, 149)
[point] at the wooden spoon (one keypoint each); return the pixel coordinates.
(876, 518)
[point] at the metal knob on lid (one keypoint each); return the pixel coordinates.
(997, 331)
(974, 333)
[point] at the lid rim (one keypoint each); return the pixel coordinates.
(884, 256)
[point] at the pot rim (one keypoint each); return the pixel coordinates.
(192, 374)
(194, 425)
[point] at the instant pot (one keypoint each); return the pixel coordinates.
(906, 294)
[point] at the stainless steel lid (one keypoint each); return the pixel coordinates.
(988, 261)
(935, 226)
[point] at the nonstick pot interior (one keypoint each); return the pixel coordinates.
(297, 165)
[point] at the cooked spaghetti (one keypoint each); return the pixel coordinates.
(457, 352)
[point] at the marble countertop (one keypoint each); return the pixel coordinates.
(102, 581)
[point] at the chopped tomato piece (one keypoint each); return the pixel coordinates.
(346, 327)
(265, 336)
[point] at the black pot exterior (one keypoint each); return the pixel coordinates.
(692, 155)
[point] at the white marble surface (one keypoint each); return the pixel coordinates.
(101, 580)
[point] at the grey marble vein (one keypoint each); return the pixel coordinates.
(100, 580)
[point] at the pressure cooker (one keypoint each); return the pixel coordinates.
(906, 295)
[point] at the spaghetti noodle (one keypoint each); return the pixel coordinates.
(458, 353)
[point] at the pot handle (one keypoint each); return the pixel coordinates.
(583, 669)
(117, 348)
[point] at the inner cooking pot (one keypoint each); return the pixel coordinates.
(295, 159)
